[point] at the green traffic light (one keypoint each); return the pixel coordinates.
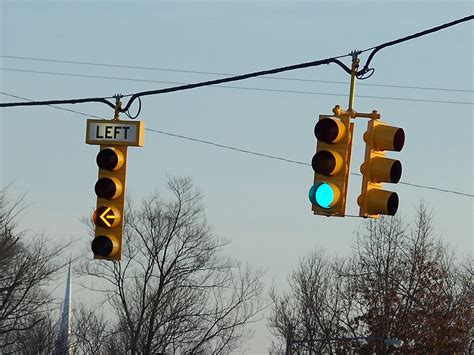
(322, 195)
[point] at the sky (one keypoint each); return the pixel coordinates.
(258, 203)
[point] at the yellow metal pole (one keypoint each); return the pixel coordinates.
(355, 66)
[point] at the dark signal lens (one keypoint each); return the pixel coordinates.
(110, 159)
(105, 188)
(102, 246)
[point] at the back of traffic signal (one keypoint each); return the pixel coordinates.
(331, 165)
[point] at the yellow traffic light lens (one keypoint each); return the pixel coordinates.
(105, 246)
(110, 159)
(108, 187)
(106, 217)
(326, 162)
(329, 130)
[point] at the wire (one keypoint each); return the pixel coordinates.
(238, 87)
(138, 111)
(56, 107)
(243, 150)
(315, 63)
(379, 47)
(226, 146)
(133, 97)
(226, 74)
(60, 102)
(293, 161)
(240, 77)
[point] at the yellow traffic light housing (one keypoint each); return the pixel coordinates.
(110, 191)
(376, 169)
(114, 137)
(331, 164)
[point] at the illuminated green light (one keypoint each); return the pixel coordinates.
(322, 195)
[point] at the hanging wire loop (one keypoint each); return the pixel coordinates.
(138, 112)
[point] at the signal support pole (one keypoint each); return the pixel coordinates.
(355, 66)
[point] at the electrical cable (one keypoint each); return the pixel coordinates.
(133, 97)
(138, 111)
(239, 87)
(56, 107)
(239, 77)
(293, 161)
(224, 74)
(379, 47)
(315, 63)
(245, 151)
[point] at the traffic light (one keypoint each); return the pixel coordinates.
(376, 168)
(110, 191)
(331, 164)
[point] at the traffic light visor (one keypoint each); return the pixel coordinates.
(330, 130)
(324, 195)
(380, 202)
(383, 170)
(388, 138)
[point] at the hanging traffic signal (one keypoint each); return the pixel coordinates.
(331, 164)
(110, 191)
(114, 137)
(376, 168)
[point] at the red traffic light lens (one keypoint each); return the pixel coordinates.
(110, 159)
(329, 130)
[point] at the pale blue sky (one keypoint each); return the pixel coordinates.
(260, 204)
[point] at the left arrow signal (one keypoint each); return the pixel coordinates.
(106, 216)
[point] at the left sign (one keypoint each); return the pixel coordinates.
(115, 132)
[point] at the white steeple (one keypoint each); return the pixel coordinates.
(64, 338)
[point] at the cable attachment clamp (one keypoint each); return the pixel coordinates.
(118, 107)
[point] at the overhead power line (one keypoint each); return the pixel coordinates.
(184, 87)
(361, 73)
(245, 151)
(239, 87)
(200, 72)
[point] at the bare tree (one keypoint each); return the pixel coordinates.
(173, 292)
(308, 317)
(399, 283)
(467, 281)
(91, 333)
(27, 266)
(409, 288)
